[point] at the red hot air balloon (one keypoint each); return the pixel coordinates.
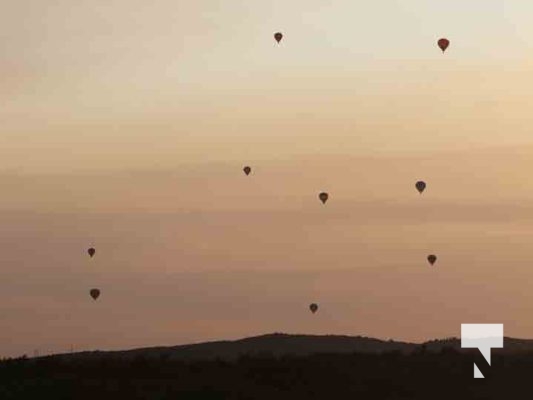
(443, 44)
(91, 251)
(432, 258)
(278, 36)
(95, 293)
(313, 307)
(323, 197)
(420, 186)
(247, 170)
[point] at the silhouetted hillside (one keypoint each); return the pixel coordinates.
(395, 375)
(278, 344)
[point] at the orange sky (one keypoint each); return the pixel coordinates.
(125, 125)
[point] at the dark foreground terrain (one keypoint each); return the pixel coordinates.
(416, 372)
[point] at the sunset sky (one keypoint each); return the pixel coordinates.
(125, 125)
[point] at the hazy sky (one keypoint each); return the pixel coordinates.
(125, 125)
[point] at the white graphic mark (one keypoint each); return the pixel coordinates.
(483, 337)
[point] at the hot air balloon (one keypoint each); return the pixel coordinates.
(247, 170)
(323, 197)
(420, 186)
(313, 307)
(95, 293)
(91, 251)
(278, 36)
(443, 44)
(432, 258)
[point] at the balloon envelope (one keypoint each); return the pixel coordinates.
(313, 307)
(91, 251)
(95, 293)
(278, 36)
(247, 170)
(443, 44)
(323, 197)
(420, 186)
(432, 258)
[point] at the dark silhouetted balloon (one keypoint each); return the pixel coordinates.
(323, 197)
(420, 186)
(91, 251)
(432, 258)
(278, 36)
(313, 307)
(443, 44)
(247, 170)
(95, 293)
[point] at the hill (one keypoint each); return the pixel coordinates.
(279, 344)
(138, 374)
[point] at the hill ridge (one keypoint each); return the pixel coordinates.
(280, 344)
